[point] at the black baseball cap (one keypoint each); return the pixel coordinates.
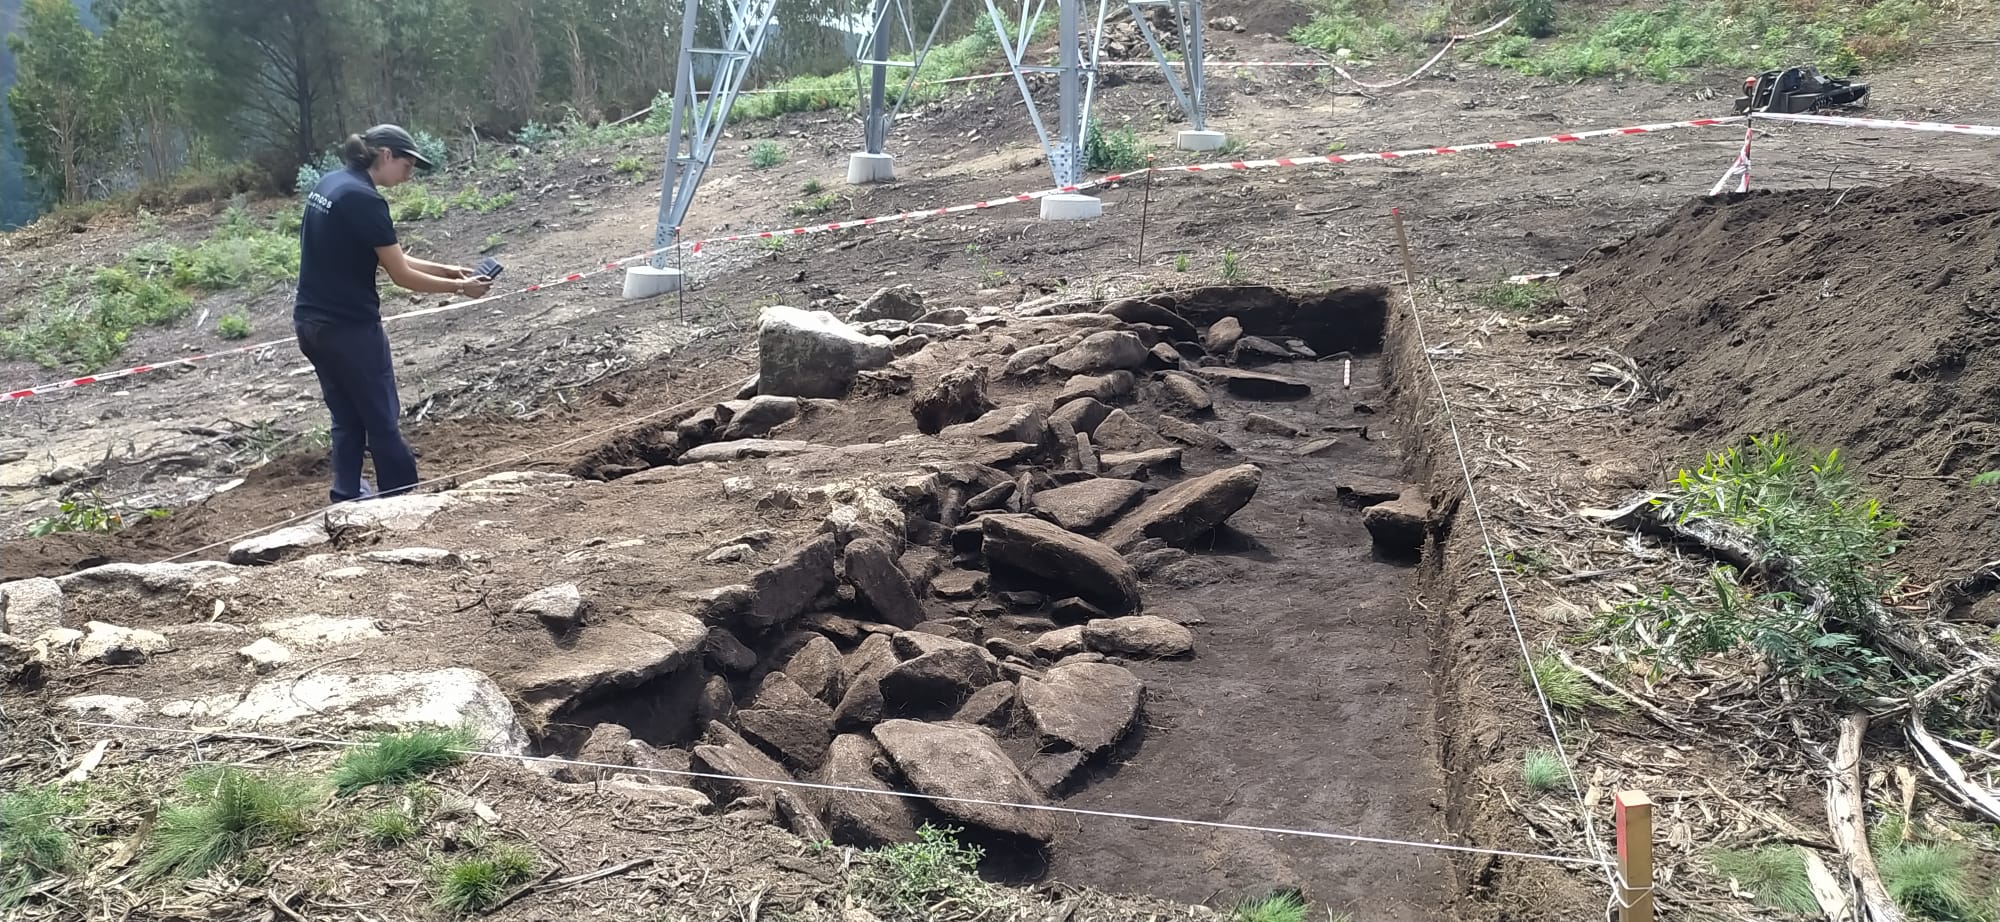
(393, 137)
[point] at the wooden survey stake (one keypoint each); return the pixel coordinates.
(1635, 857)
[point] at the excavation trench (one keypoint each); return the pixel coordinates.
(1307, 703)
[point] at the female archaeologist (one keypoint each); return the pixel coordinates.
(345, 237)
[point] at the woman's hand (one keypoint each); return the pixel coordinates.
(475, 287)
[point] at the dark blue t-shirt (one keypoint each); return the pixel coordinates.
(345, 220)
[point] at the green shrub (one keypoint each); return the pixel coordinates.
(910, 878)
(1115, 151)
(766, 154)
(233, 326)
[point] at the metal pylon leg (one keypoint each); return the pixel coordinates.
(1190, 86)
(1076, 78)
(885, 17)
(696, 122)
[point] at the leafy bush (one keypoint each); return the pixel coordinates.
(535, 135)
(1115, 151)
(432, 148)
(1802, 508)
(909, 878)
(233, 326)
(311, 173)
(414, 201)
(86, 324)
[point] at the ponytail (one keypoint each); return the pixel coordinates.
(356, 153)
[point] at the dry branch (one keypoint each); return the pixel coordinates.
(1845, 811)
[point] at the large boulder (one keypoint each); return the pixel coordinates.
(901, 302)
(1133, 310)
(1400, 525)
(1119, 432)
(1222, 336)
(118, 646)
(816, 667)
(385, 701)
(959, 396)
(1188, 509)
(787, 722)
(785, 590)
(1050, 552)
(1105, 388)
(880, 582)
(742, 449)
(1019, 423)
(1109, 350)
(943, 674)
(29, 607)
(1083, 706)
(1178, 388)
(1082, 415)
(957, 761)
(755, 417)
(610, 657)
(1142, 636)
(731, 766)
(865, 820)
(1090, 504)
(268, 548)
(812, 354)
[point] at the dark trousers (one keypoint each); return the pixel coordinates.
(359, 383)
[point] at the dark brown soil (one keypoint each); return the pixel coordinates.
(1864, 320)
(1307, 704)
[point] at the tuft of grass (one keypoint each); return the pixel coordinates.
(1988, 479)
(1232, 267)
(1278, 907)
(630, 166)
(399, 757)
(812, 187)
(474, 884)
(909, 878)
(1180, 262)
(35, 838)
(1929, 880)
(766, 154)
(813, 207)
(1568, 689)
(388, 827)
(233, 326)
(1520, 298)
(1775, 876)
(1543, 771)
(227, 812)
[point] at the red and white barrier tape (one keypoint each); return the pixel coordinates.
(1739, 170)
(1845, 121)
(696, 246)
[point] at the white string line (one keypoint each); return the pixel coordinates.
(600, 433)
(1506, 597)
(843, 789)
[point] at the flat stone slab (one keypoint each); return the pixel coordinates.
(1257, 385)
(721, 452)
(1091, 504)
